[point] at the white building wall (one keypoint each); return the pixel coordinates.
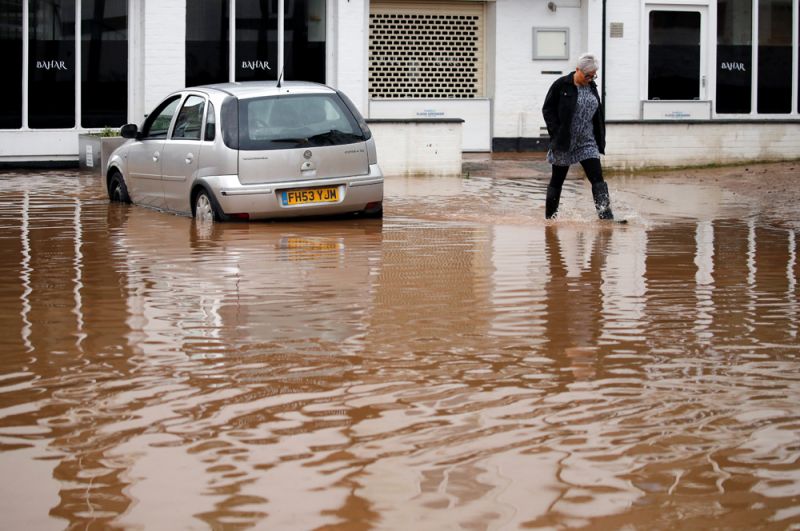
(640, 144)
(519, 86)
(622, 69)
(350, 50)
(163, 52)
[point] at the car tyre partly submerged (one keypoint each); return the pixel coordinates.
(204, 209)
(117, 191)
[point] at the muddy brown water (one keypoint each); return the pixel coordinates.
(460, 364)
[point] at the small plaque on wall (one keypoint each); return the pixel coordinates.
(550, 43)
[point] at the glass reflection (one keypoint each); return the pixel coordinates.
(104, 63)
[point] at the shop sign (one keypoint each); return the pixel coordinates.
(51, 65)
(255, 65)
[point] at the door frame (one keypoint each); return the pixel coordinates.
(705, 45)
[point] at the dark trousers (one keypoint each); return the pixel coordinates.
(592, 167)
(594, 172)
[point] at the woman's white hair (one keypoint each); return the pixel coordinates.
(588, 63)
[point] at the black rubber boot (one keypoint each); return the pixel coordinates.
(551, 202)
(602, 201)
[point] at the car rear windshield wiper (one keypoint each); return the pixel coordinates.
(334, 136)
(290, 140)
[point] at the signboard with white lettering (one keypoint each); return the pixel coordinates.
(676, 110)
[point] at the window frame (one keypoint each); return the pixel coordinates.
(182, 106)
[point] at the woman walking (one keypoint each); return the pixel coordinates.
(574, 117)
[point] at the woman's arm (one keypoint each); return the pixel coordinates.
(550, 109)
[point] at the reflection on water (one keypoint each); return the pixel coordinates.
(461, 354)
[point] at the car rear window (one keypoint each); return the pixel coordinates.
(296, 121)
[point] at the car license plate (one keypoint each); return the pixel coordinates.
(310, 195)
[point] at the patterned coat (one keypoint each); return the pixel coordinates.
(559, 107)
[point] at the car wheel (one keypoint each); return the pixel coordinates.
(204, 209)
(117, 191)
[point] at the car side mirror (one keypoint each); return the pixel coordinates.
(129, 131)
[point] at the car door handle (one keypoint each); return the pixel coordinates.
(155, 156)
(189, 158)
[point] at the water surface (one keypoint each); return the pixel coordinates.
(460, 364)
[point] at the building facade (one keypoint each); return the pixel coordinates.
(683, 81)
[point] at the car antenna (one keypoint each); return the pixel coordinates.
(280, 77)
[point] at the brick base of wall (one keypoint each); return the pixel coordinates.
(520, 144)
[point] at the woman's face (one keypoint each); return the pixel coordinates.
(583, 78)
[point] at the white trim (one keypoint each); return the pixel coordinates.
(231, 41)
(25, 53)
(281, 37)
(330, 43)
(78, 65)
(795, 54)
(754, 60)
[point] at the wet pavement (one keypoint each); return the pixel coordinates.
(459, 364)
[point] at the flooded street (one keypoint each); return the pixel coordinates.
(460, 364)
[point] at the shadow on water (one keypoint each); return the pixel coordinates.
(461, 362)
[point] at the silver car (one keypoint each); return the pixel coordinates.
(250, 150)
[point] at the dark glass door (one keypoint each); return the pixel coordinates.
(11, 52)
(104, 63)
(51, 64)
(674, 55)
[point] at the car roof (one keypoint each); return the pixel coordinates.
(256, 89)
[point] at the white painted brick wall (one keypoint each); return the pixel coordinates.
(164, 50)
(351, 55)
(638, 145)
(520, 86)
(432, 149)
(623, 69)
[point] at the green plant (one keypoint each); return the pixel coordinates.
(108, 131)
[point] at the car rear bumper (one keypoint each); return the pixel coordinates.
(261, 201)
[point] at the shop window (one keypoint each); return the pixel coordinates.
(104, 63)
(734, 56)
(775, 56)
(207, 42)
(674, 55)
(11, 52)
(256, 40)
(51, 64)
(304, 40)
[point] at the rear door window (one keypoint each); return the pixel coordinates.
(296, 121)
(189, 123)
